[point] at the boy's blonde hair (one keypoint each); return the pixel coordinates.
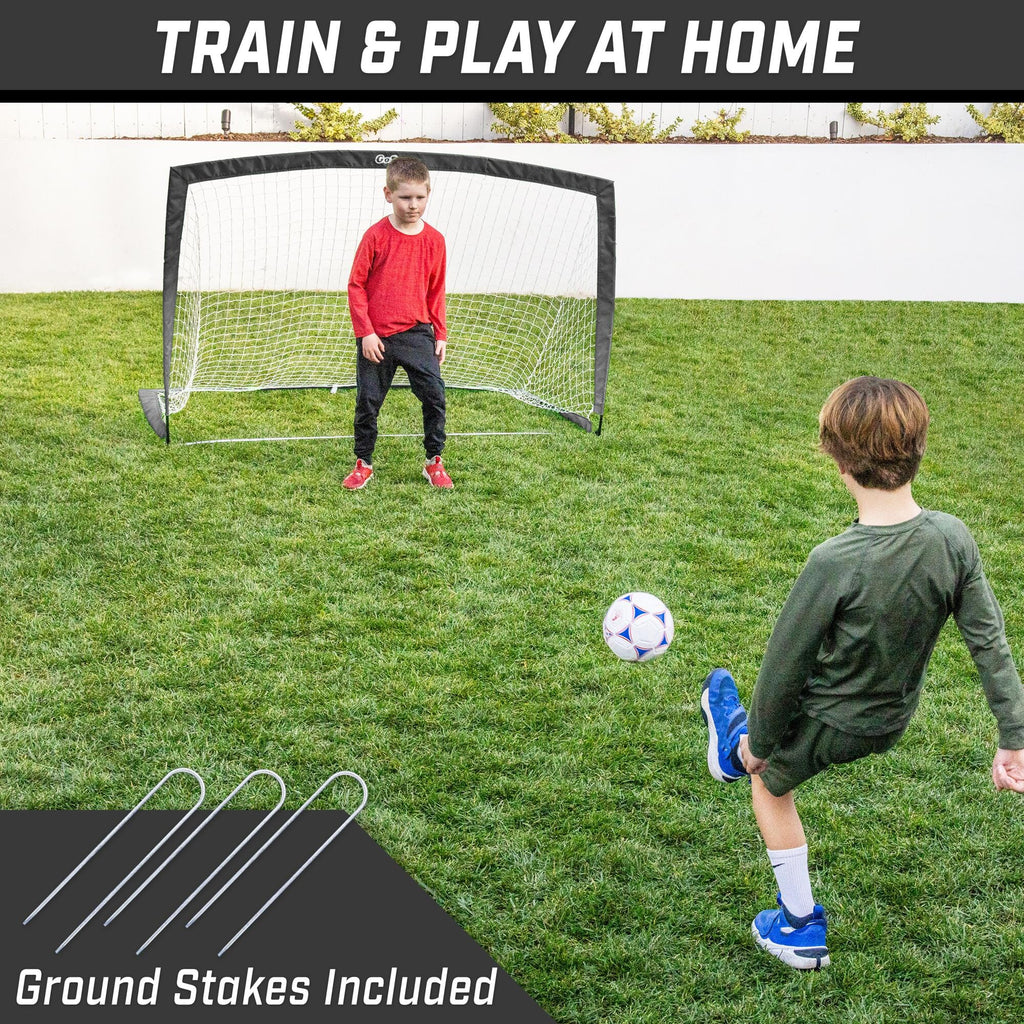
(406, 169)
(875, 430)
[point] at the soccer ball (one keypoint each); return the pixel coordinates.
(638, 627)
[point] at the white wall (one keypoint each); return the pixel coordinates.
(917, 222)
(439, 121)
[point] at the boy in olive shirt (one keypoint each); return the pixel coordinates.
(843, 670)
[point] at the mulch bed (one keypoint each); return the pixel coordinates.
(678, 140)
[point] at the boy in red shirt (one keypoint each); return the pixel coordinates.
(397, 303)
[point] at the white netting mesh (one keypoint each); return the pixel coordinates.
(264, 264)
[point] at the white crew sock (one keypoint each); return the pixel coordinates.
(794, 879)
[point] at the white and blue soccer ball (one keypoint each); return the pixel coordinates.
(638, 626)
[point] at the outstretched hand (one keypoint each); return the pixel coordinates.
(1008, 770)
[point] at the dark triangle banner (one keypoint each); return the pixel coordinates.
(354, 938)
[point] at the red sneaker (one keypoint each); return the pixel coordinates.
(434, 472)
(359, 477)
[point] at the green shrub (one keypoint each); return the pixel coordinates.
(530, 122)
(1004, 121)
(331, 122)
(909, 121)
(721, 127)
(623, 127)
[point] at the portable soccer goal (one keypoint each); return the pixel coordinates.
(258, 252)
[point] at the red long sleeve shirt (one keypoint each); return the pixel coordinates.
(397, 281)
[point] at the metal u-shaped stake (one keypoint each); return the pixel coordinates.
(138, 867)
(213, 874)
(110, 835)
(216, 896)
(316, 853)
(188, 839)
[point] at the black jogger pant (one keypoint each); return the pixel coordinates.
(413, 351)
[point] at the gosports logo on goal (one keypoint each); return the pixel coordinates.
(383, 158)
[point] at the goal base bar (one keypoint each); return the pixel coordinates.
(575, 417)
(349, 437)
(149, 399)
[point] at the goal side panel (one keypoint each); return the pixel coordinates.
(605, 292)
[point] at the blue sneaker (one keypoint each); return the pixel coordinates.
(796, 941)
(726, 720)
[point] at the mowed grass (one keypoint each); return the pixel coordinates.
(227, 607)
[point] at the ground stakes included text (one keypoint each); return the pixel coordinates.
(195, 987)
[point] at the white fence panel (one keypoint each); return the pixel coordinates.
(197, 119)
(102, 120)
(126, 121)
(79, 121)
(263, 117)
(27, 116)
(55, 121)
(149, 121)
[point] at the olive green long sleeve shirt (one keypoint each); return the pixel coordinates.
(852, 643)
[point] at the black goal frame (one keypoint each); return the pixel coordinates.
(184, 175)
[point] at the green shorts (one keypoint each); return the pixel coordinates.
(809, 747)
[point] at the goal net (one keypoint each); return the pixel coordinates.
(258, 252)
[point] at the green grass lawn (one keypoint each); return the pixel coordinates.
(228, 607)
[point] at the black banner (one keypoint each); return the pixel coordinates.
(437, 48)
(354, 938)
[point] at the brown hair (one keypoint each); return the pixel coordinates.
(875, 429)
(406, 168)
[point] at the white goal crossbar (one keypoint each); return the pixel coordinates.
(258, 252)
